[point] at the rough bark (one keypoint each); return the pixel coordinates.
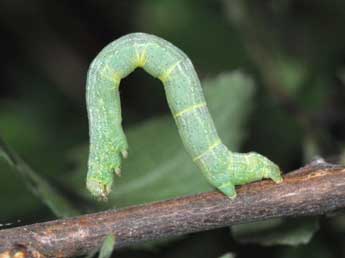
(313, 190)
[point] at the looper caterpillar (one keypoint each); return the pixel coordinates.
(108, 145)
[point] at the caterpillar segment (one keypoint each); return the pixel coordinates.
(108, 144)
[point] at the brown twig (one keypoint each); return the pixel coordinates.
(315, 189)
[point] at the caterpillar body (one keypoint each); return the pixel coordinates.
(108, 145)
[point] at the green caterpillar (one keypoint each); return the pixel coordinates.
(108, 145)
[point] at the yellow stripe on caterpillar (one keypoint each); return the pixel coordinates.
(110, 74)
(226, 184)
(210, 148)
(189, 109)
(141, 57)
(205, 168)
(164, 77)
(230, 163)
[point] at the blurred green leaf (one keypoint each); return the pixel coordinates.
(290, 72)
(341, 75)
(37, 185)
(32, 128)
(159, 18)
(311, 149)
(158, 167)
(228, 255)
(315, 249)
(277, 232)
(107, 247)
(342, 157)
(14, 121)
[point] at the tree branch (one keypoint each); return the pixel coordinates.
(315, 189)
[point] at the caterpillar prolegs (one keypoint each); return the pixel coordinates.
(108, 145)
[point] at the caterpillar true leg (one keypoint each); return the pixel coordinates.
(161, 59)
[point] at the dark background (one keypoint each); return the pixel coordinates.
(294, 50)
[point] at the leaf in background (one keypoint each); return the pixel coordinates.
(277, 232)
(107, 247)
(318, 248)
(311, 149)
(37, 185)
(341, 75)
(159, 18)
(342, 157)
(158, 167)
(292, 73)
(228, 255)
(15, 119)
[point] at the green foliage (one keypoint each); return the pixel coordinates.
(106, 249)
(11, 129)
(209, 55)
(60, 206)
(315, 249)
(227, 256)
(277, 232)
